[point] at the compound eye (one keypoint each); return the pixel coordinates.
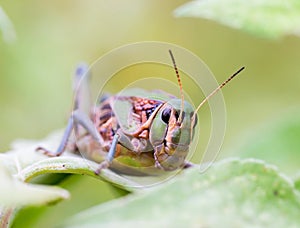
(165, 116)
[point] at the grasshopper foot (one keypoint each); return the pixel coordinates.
(188, 165)
(103, 165)
(47, 152)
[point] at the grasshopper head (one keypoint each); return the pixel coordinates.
(172, 129)
(170, 136)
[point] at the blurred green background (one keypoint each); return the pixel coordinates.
(53, 36)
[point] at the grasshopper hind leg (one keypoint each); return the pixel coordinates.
(63, 143)
(80, 90)
(77, 119)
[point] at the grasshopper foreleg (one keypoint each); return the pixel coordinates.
(110, 156)
(188, 164)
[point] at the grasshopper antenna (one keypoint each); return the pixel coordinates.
(215, 91)
(180, 87)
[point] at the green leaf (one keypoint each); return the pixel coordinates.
(233, 193)
(263, 18)
(15, 193)
(75, 165)
(297, 181)
(23, 163)
(6, 27)
(26, 163)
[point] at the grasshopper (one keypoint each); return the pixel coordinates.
(156, 130)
